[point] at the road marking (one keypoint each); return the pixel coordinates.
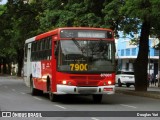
(23, 93)
(37, 98)
(128, 106)
(93, 118)
(60, 106)
(13, 90)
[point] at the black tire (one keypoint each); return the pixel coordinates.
(32, 89)
(128, 85)
(48, 84)
(97, 98)
(52, 97)
(119, 83)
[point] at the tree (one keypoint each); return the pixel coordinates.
(27, 27)
(135, 16)
(27, 20)
(7, 51)
(20, 24)
(62, 13)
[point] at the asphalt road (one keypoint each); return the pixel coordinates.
(15, 96)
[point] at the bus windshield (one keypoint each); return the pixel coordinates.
(86, 56)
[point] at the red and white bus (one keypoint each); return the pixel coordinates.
(71, 60)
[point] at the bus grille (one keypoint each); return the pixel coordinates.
(87, 80)
(86, 77)
(87, 90)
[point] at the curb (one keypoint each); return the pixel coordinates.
(150, 94)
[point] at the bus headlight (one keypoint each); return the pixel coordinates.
(109, 82)
(104, 83)
(64, 82)
(67, 82)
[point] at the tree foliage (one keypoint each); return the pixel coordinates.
(64, 13)
(21, 21)
(134, 17)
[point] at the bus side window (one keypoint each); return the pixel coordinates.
(47, 44)
(32, 51)
(50, 42)
(35, 52)
(50, 48)
(39, 45)
(43, 44)
(48, 54)
(25, 52)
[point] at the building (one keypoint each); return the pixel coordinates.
(127, 53)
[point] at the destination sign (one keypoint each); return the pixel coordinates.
(90, 34)
(85, 34)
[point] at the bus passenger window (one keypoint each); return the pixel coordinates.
(47, 44)
(25, 54)
(50, 42)
(43, 44)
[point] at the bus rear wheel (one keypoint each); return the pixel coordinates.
(97, 98)
(32, 89)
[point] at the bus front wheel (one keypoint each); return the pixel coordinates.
(97, 98)
(52, 97)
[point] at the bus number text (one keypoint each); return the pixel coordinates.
(78, 67)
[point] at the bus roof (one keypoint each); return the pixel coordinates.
(55, 31)
(30, 40)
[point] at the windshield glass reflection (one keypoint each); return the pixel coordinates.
(84, 55)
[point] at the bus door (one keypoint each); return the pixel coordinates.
(55, 46)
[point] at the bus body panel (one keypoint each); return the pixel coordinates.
(85, 79)
(40, 72)
(85, 84)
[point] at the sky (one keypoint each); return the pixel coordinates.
(3, 2)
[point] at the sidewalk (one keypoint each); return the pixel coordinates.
(152, 92)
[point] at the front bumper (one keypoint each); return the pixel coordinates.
(64, 89)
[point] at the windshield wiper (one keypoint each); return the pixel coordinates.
(78, 45)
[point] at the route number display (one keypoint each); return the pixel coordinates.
(78, 67)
